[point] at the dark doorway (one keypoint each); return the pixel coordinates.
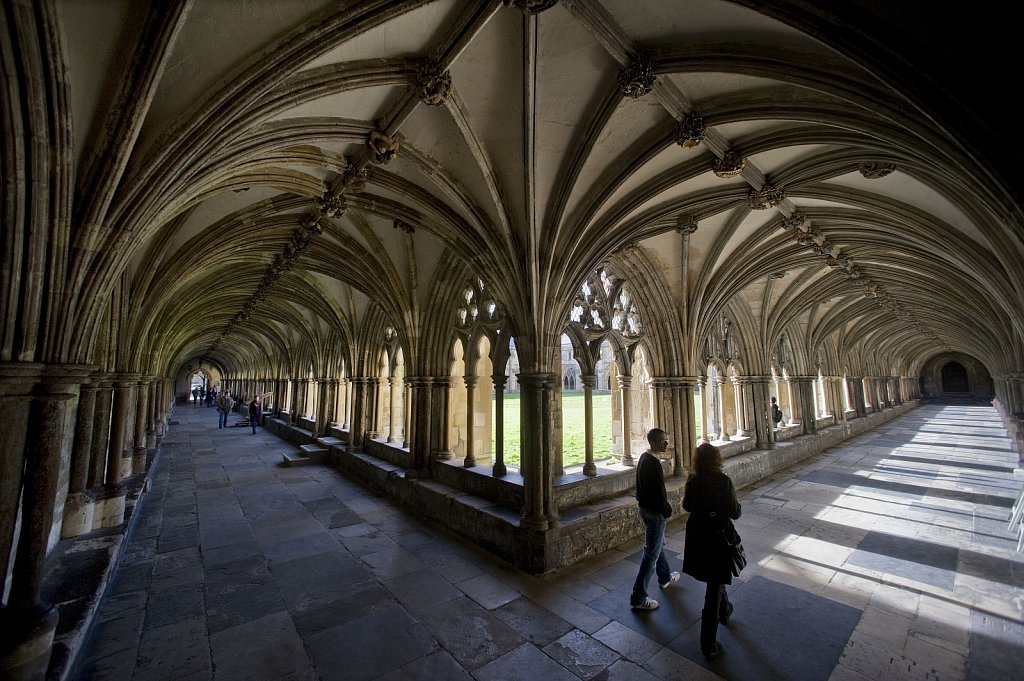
(954, 378)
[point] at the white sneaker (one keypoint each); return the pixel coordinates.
(647, 604)
(674, 577)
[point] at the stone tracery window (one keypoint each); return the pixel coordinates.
(477, 309)
(604, 303)
(478, 321)
(607, 319)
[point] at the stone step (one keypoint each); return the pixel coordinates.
(299, 459)
(330, 441)
(313, 449)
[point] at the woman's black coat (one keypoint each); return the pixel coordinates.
(704, 556)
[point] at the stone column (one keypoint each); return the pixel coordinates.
(153, 390)
(101, 431)
(738, 386)
(347, 415)
(859, 406)
(720, 411)
(764, 428)
(119, 429)
(372, 407)
(701, 386)
(536, 454)
(419, 430)
(1015, 388)
(499, 469)
(805, 387)
(407, 422)
(470, 459)
(588, 381)
(440, 433)
(323, 400)
(141, 412)
(332, 402)
(686, 438)
(78, 507)
(293, 403)
(40, 396)
(627, 419)
(392, 409)
(835, 384)
(357, 429)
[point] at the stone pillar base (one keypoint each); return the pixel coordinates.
(27, 642)
(138, 461)
(110, 504)
(79, 510)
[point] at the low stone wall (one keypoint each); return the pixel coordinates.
(594, 514)
(288, 431)
(751, 467)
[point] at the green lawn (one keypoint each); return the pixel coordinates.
(573, 436)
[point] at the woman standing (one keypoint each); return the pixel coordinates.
(711, 500)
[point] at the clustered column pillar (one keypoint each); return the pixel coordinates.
(31, 461)
(860, 406)
(805, 391)
(357, 428)
(761, 397)
(440, 433)
(836, 388)
(686, 439)
(418, 431)
(536, 454)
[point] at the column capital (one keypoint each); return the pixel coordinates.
(539, 380)
(32, 373)
(675, 381)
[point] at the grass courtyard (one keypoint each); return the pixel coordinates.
(573, 424)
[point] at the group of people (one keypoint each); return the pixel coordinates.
(200, 395)
(710, 499)
(226, 403)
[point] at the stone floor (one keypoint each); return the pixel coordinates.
(887, 557)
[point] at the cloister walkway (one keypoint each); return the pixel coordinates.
(887, 557)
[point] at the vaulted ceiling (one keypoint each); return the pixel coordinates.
(834, 179)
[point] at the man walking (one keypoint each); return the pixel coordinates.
(255, 412)
(224, 404)
(654, 509)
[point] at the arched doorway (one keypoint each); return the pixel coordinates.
(954, 378)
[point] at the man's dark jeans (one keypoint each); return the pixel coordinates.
(654, 559)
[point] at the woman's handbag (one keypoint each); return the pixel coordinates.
(734, 549)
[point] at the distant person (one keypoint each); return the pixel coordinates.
(195, 395)
(254, 413)
(710, 497)
(776, 414)
(224, 405)
(210, 394)
(654, 509)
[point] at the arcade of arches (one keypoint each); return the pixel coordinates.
(433, 234)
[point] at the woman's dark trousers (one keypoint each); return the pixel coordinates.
(716, 607)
